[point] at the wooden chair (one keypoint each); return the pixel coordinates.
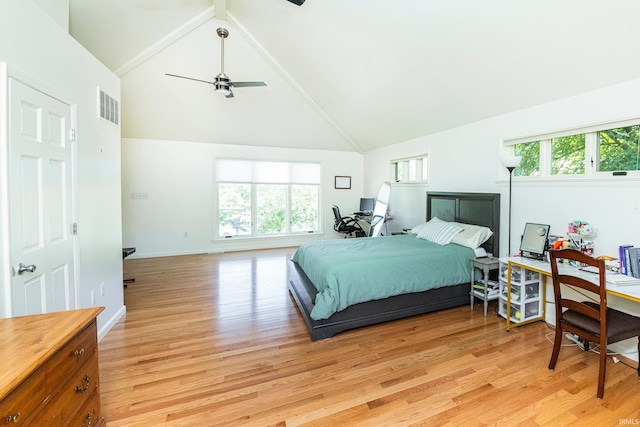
(591, 321)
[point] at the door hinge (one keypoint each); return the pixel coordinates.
(73, 135)
(74, 228)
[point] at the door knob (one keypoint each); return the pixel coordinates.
(22, 268)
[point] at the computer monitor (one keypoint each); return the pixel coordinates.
(367, 204)
(534, 240)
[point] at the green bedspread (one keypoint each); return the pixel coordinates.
(350, 271)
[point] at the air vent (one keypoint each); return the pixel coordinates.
(108, 108)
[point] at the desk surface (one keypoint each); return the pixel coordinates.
(361, 217)
(630, 292)
(127, 251)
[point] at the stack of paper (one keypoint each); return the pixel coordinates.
(621, 279)
(613, 278)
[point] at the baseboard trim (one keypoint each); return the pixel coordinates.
(110, 323)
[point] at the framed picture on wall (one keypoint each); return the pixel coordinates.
(343, 182)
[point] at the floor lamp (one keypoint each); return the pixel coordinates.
(510, 162)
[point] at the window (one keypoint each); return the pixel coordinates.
(591, 152)
(410, 170)
(530, 164)
(258, 198)
(618, 149)
(567, 155)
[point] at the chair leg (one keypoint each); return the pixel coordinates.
(557, 341)
(639, 354)
(603, 368)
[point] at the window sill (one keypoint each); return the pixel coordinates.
(605, 180)
(268, 237)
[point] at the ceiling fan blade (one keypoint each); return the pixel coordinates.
(247, 84)
(221, 83)
(188, 78)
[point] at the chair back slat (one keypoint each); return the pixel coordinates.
(581, 308)
(598, 291)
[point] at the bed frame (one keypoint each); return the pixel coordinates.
(472, 208)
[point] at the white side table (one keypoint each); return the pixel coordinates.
(483, 293)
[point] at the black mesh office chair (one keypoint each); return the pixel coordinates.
(347, 225)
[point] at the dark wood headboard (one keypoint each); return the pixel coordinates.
(470, 208)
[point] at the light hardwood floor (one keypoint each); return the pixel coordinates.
(215, 340)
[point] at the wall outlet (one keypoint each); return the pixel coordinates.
(101, 290)
(93, 297)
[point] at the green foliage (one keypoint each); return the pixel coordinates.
(272, 204)
(568, 155)
(234, 208)
(304, 208)
(619, 149)
(530, 164)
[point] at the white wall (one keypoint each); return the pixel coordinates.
(58, 10)
(468, 159)
(37, 49)
(178, 178)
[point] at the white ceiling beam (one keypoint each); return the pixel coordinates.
(167, 40)
(221, 9)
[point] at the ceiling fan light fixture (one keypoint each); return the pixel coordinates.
(222, 84)
(223, 89)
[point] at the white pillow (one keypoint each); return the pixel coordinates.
(438, 231)
(472, 236)
(417, 228)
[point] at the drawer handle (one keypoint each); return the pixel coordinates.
(12, 418)
(81, 389)
(88, 417)
(79, 352)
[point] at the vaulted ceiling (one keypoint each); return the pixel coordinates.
(350, 75)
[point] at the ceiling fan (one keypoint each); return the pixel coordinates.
(222, 83)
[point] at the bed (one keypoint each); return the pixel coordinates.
(450, 291)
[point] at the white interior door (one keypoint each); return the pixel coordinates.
(42, 251)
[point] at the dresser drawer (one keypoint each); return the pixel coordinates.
(88, 415)
(51, 371)
(71, 356)
(20, 405)
(74, 392)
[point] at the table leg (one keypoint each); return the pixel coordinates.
(473, 269)
(486, 290)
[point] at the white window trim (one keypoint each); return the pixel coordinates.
(254, 235)
(591, 174)
(422, 161)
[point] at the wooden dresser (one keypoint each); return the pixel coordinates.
(49, 370)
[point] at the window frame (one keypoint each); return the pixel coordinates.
(253, 183)
(421, 168)
(591, 160)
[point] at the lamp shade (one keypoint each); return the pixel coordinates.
(223, 89)
(511, 161)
